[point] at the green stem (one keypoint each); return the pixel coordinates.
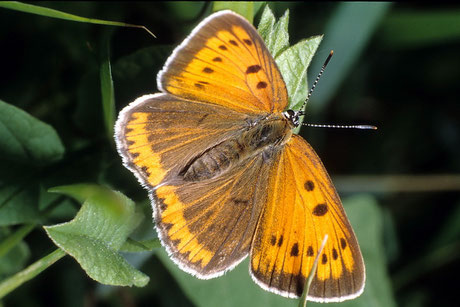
(30, 272)
(44, 11)
(11, 241)
(303, 298)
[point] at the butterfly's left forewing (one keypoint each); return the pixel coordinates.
(157, 135)
(301, 209)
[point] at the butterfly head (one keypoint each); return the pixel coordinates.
(293, 117)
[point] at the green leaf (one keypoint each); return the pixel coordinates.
(293, 64)
(274, 34)
(9, 241)
(26, 139)
(81, 192)
(96, 234)
(47, 12)
(14, 260)
(266, 23)
(133, 246)
(235, 288)
(18, 197)
(99, 260)
(107, 91)
(27, 145)
(244, 8)
(13, 251)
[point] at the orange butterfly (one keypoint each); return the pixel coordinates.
(227, 177)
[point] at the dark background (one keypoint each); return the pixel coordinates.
(404, 78)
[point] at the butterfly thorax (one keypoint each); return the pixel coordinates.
(263, 136)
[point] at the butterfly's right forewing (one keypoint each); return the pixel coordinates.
(225, 61)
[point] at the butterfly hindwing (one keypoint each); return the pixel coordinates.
(208, 226)
(225, 61)
(301, 209)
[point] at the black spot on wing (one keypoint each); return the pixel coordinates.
(208, 70)
(343, 243)
(309, 185)
(280, 240)
(295, 250)
(261, 85)
(253, 69)
(335, 255)
(310, 252)
(320, 210)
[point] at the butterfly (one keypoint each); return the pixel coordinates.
(227, 177)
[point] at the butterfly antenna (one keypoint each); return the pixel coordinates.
(301, 112)
(316, 82)
(365, 127)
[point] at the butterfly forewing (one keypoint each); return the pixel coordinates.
(302, 208)
(224, 61)
(157, 135)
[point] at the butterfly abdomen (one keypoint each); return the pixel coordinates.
(264, 137)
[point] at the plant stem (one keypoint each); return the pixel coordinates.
(30, 272)
(303, 298)
(11, 241)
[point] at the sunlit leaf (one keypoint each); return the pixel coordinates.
(96, 234)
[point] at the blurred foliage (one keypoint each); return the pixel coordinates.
(395, 66)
